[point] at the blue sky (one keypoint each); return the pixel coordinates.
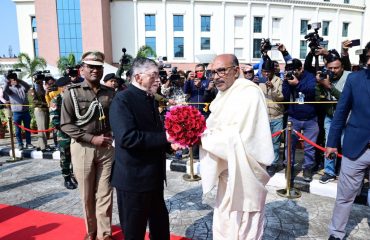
(8, 27)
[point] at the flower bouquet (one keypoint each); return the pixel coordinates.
(185, 125)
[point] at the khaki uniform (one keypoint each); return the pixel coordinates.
(84, 115)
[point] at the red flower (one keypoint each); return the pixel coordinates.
(185, 125)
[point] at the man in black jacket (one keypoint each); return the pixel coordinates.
(140, 144)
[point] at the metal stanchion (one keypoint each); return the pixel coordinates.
(191, 177)
(11, 132)
(289, 191)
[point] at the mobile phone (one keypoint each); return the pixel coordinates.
(355, 42)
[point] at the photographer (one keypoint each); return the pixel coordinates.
(299, 86)
(172, 87)
(73, 74)
(330, 83)
(41, 109)
(195, 86)
(267, 46)
(272, 89)
(17, 89)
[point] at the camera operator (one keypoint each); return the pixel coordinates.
(51, 91)
(299, 86)
(41, 109)
(272, 89)
(17, 89)
(330, 83)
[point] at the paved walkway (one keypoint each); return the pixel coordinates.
(37, 184)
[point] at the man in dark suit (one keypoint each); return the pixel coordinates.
(354, 102)
(139, 169)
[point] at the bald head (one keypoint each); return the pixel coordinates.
(225, 70)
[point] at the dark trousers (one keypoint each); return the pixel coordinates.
(137, 209)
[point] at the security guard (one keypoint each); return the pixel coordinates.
(64, 141)
(84, 118)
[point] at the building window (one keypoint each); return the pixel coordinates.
(326, 0)
(34, 36)
(178, 47)
(345, 29)
(36, 47)
(346, 1)
(205, 22)
(151, 42)
(304, 24)
(238, 52)
(205, 43)
(33, 24)
(238, 26)
(178, 23)
(150, 22)
(257, 47)
(257, 25)
(276, 26)
(325, 28)
(302, 49)
(69, 28)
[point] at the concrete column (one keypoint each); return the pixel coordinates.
(96, 27)
(47, 30)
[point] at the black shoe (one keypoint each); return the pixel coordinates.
(307, 175)
(271, 170)
(20, 147)
(326, 178)
(30, 146)
(333, 238)
(69, 184)
(74, 180)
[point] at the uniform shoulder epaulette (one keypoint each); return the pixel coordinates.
(74, 85)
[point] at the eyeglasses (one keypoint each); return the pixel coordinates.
(250, 71)
(92, 67)
(221, 72)
(199, 71)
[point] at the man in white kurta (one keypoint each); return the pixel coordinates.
(236, 148)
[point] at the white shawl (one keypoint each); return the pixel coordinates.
(238, 138)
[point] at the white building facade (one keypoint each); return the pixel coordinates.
(189, 31)
(183, 30)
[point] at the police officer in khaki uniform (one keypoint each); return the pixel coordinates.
(84, 117)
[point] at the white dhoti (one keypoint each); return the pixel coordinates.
(236, 148)
(235, 225)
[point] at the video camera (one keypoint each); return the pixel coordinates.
(124, 59)
(12, 73)
(266, 45)
(40, 75)
(313, 37)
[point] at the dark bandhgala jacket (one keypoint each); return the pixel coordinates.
(140, 142)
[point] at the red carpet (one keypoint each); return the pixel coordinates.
(26, 224)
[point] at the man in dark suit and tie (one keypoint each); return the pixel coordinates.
(355, 104)
(139, 169)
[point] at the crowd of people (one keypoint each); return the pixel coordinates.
(110, 134)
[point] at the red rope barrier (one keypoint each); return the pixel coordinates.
(312, 143)
(277, 133)
(32, 130)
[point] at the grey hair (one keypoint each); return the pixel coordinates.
(140, 65)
